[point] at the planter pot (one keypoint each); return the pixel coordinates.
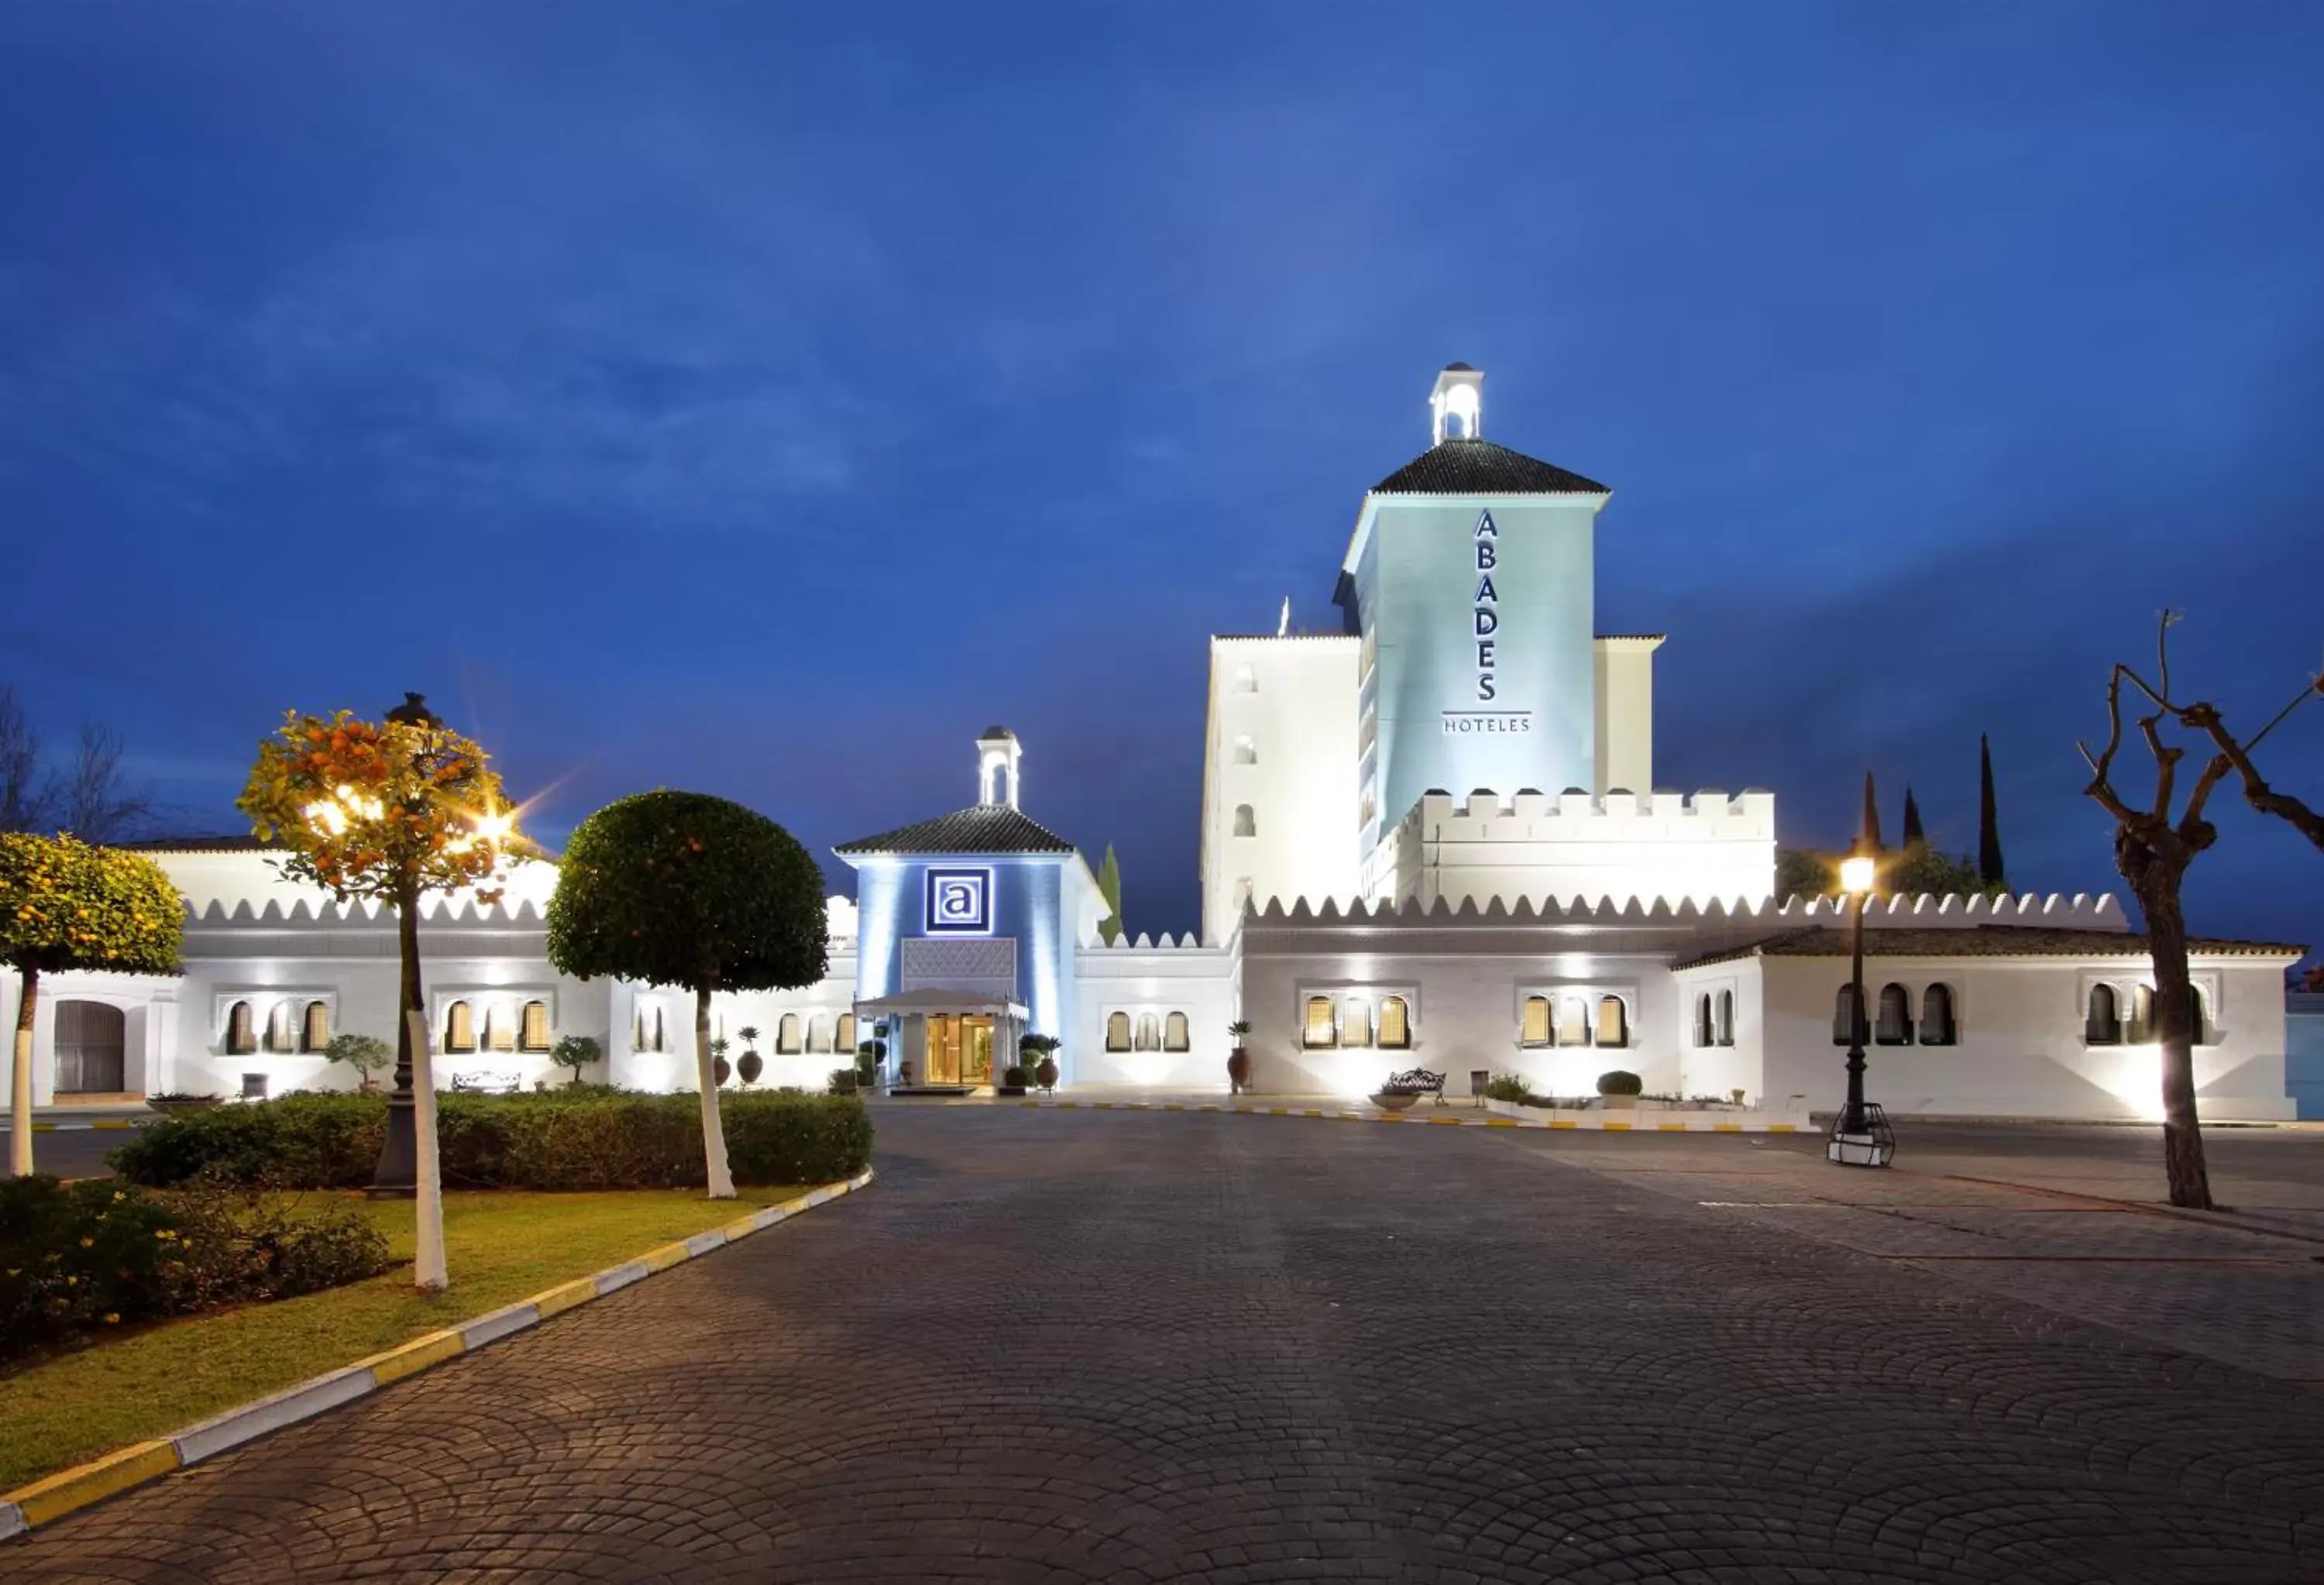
(1395, 1102)
(1044, 1072)
(751, 1065)
(371, 1087)
(1618, 1102)
(1238, 1069)
(1010, 1090)
(721, 1070)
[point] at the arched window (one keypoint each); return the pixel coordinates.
(1937, 1016)
(1723, 1026)
(2203, 1034)
(787, 1035)
(661, 1030)
(1702, 1020)
(1895, 1025)
(315, 1028)
(532, 1027)
(1246, 822)
(1371, 651)
(1117, 1031)
(1613, 1021)
(817, 1036)
(1149, 1032)
(92, 1049)
(842, 1034)
(2142, 1015)
(1246, 751)
(1355, 1022)
(1246, 679)
(2104, 1024)
(1535, 1030)
(1395, 1024)
(1176, 1036)
(459, 1027)
(1843, 1016)
(241, 1032)
(500, 1030)
(281, 1035)
(1572, 1021)
(1319, 1029)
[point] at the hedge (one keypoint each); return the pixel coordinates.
(90, 1256)
(579, 1138)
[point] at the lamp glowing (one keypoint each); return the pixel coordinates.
(1855, 873)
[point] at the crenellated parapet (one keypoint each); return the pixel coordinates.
(2081, 911)
(1575, 816)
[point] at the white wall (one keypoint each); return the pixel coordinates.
(1144, 977)
(1301, 720)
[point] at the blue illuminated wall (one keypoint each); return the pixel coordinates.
(1418, 585)
(1034, 899)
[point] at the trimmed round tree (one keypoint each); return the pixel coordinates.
(685, 888)
(65, 904)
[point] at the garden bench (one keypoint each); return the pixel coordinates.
(486, 1082)
(1417, 1081)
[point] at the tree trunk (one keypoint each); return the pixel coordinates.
(713, 1136)
(428, 1269)
(19, 1086)
(2174, 1008)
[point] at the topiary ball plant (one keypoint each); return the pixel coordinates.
(1620, 1082)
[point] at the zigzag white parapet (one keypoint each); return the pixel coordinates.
(1485, 815)
(1920, 911)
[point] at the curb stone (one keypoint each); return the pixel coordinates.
(1690, 1126)
(68, 1491)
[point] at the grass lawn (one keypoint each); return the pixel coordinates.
(501, 1244)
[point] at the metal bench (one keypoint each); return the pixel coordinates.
(1415, 1081)
(486, 1082)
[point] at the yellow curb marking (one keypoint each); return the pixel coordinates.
(413, 1357)
(77, 1487)
(1727, 1127)
(1563, 1122)
(741, 1228)
(1616, 1128)
(663, 1259)
(563, 1297)
(1447, 1122)
(112, 1122)
(1501, 1122)
(1672, 1128)
(1782, 1127)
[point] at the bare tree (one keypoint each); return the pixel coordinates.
(2153, 848)
(28, 797)
(100, 805)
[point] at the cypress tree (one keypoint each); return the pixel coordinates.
(1871, 832)
(1915, 837)
(1109, 887)
(1988, 820)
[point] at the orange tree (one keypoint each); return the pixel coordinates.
(65, 904)
(388, 810)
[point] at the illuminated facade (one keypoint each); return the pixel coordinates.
(1430, 837)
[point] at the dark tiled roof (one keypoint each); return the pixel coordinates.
(244, 843)
(1479, 467)
(981, 828)
(1976, 941)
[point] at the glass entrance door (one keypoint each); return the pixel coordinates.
(960, 1048)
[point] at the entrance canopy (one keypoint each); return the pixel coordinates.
(937, 1001)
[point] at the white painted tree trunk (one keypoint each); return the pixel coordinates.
(428, 1269)
(714, 1135)
(19, 1082)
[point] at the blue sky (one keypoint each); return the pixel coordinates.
(763, 399)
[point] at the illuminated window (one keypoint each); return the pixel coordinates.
(532, 1027)
(314, 1031)
(241, 1033)
(1176, 1035)
(1572, 1021)
(1937, 1016)
(1246, 751)
(2103, 1024)
(280, 1036)
(1613, 1021)
(459, 1027)
(1843, 1016)
(787, 1035)
(1722, 1028)
(1246, 822)
(1395, 1024)
(1319, 1029)
(1117, 1031)
(843, 1033)
(1896, 1022)
(500, 1030)
(1355, 1022)
(1534, 1030)
(1149, 1032)
(2142, 1015)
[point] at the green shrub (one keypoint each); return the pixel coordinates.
(843, 1082)
(1619, 1081)
(88, 1256)
(1508, 1087)
(590, 1136)
(1012, 1077)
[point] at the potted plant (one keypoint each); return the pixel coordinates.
(366, 1054)
(841, 1081)
(1238, 1059)
(1043, 1049)
(1618, 1091)
(751, 1064)
(574, 1052)
(1013, 1079)
(721, 1070)
(869, 1057)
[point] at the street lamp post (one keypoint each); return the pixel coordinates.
(1860, 1136)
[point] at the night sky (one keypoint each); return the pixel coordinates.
(762, 400)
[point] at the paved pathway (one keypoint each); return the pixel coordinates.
(1062, 1347)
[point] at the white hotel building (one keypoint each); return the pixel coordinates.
(1431, 839)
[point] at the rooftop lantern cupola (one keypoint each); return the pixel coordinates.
(997, 754)
(1457, 406)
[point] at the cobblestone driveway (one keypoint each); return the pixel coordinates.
(1133, 1347)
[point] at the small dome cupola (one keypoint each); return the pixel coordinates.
(997, 756)
(1456, 407)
